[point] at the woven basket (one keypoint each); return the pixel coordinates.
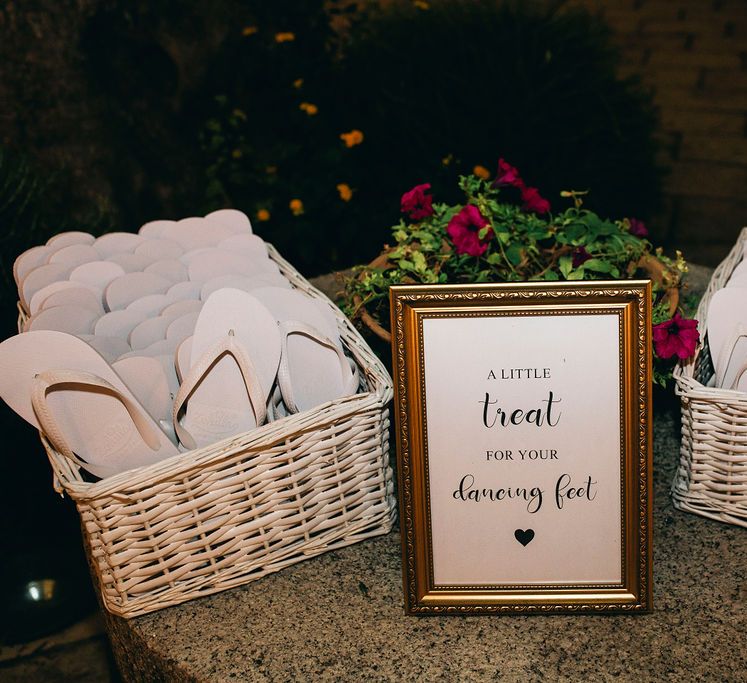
(221, 516)
(711, 479)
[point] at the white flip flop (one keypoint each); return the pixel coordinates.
(235, 353)
(313, 367)
(727, 338)
(182, 327)
(246, 283)
(171, 269)
(116, 243)
(150, 305)
(251, 245)
(119, 323)
(130, 262)
(75, 255)
(238, 221)
(30, 259)
(195, 233)
(111, 348)
(65, 239)
(131, 286)
(179, 308)
(97, 274)
(148, 332)
(212, 263)
(62, 386)
(38, 301)
(41, 277)
(147, 380)
(159, 249)
(80, 296)
(182, 291)
(71, 319)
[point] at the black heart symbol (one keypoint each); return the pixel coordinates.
(524, 537)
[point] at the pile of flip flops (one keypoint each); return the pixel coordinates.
(727, 331)
(136, 347)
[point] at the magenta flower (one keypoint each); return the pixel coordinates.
(417, 203)
(676, 337)
(464, 228)
(507, 175)
(637, 228)
(580, 256)
(533, 201)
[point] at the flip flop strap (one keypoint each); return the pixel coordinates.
(47, 380)
(197, 372)
(288, 327)
(725, 358)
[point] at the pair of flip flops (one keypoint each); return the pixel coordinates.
(727, 331)
(251, 357)
(254, 357)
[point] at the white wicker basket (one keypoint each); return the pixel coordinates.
(711, 479)
(221, 516)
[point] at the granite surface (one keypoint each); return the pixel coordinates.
(340, 617)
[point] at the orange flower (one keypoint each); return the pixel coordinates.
(353, 138)
(310, 109)
(249, 30)
(296, 207)
(447, 159)
(236, 154)
(421, 4)
(263, 215)
(298, 83)
(481, 172)
(284, 37)
(346, 194)
(271, 170)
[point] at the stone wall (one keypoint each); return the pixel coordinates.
(693, 55)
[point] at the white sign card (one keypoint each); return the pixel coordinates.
(523, 446)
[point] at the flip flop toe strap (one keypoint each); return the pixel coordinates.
(726, 358)
(226, 346)
(348, 370)
(50, 379)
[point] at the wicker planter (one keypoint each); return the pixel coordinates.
(711, 479)
(221, 516)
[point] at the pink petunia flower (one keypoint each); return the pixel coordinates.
(463, 230)
(507, 175)
(533, 201)
(677, 336)
(637, 228)
(417, 203)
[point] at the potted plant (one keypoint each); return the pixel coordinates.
(505, 231)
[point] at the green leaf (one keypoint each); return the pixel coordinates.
(577, 274)
(551, 275)
(514, 253)
(566, 266)
(598, 265)
(419, 262)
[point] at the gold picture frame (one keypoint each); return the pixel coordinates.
(590, 552)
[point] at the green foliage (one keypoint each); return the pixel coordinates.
(573, 244)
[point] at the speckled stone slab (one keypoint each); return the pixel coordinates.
(340, 617)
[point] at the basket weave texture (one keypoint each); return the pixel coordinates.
(218, 517)
(711, 479)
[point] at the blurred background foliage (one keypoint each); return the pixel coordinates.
(244, 105)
